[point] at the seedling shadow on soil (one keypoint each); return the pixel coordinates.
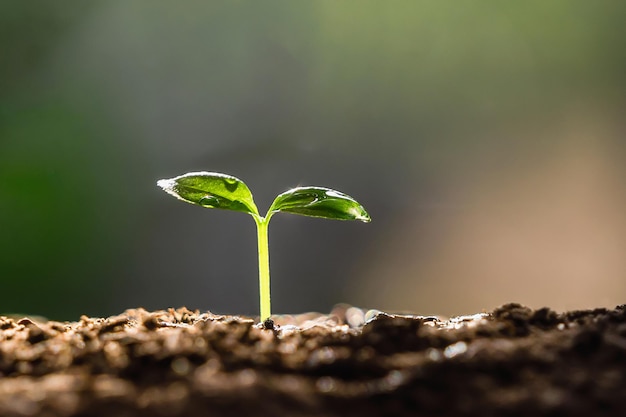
(513, 361)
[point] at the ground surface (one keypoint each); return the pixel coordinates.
(513, 361)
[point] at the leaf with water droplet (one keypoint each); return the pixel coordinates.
(211, 190)
(319, 202)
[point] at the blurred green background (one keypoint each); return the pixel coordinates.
(487, 140)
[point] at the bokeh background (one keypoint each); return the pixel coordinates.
(487, 140)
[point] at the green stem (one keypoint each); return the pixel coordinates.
(264, 267)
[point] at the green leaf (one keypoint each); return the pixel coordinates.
(319, 202)
(211, 190)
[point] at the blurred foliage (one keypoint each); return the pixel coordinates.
(99, 99)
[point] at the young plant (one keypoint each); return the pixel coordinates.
(222, 191)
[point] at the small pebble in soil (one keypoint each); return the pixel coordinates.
(455, 349)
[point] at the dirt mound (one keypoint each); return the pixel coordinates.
(513, 361)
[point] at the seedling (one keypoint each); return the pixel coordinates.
(222, 191)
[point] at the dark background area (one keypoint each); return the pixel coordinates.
(485, 139)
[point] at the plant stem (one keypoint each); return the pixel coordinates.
(264, 267)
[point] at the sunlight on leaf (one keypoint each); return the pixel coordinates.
(211, 190)
(319, 202)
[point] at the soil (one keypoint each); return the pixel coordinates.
(513, 361)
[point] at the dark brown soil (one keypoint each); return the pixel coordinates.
(513, 361)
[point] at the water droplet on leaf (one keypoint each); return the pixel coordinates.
(209, 201)
(231, 184)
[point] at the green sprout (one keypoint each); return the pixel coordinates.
(222, 191)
